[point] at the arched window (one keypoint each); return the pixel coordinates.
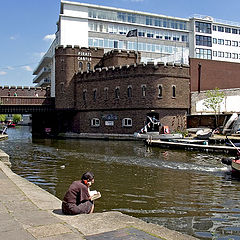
(144, 89)
(88, 66)
(160, 91)
(106, 93)
(129, 91)
(173, 91)
(80, 66)
(117, 93)
(84, 95)
(94, 95)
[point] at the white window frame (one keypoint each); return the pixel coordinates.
(127, 122)
(95, 122)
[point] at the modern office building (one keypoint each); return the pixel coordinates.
(159, 38)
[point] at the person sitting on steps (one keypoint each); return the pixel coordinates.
(77, 199)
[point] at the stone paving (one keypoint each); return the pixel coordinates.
(28, 212)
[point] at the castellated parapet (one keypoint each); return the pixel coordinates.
(25, 91)
(134, 70)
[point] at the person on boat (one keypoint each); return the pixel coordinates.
(77, 199)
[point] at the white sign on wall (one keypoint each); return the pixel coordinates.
(109, 123)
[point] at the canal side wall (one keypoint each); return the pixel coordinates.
(56, 225)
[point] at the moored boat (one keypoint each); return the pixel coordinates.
(204, 134)
(234, 163)
(158, 136)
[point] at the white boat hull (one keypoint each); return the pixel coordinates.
(158, 136)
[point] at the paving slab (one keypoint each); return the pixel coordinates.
(123, 234)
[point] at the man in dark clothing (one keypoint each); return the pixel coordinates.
(77, 199)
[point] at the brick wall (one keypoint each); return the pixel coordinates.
(172, 110)
(24, 91)
(151, 76)
(119, 58)
(174, 118)
(223, 75)
(68, 62)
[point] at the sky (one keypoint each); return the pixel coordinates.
(27, 27)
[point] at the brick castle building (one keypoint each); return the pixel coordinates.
(114, 93)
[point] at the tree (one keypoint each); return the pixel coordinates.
(213, 101)
(17, 118)
(2, 117)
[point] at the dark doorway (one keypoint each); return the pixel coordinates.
(153, 122)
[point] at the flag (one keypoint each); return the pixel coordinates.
(132, 33)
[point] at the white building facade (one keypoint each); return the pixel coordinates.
(160, 38)
(214, 39)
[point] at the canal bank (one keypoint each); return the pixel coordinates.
(29, 212)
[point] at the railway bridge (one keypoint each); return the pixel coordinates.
(30, 100)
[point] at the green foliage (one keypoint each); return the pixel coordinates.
(2, 117)
(17, 118)
(213, 100)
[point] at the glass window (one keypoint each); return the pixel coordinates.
(214, 41)
(221, 41)
(117, 93)
(95, 122)
(144, 89)
(234, 56)
(84, 95)
(235, 43)
(215, 53)
(105, 43)
(90, 42)
(80, 65)
(129, 91)
(227, 55)
(106, 93)
(94, 95)
(160, 91)
(127, 122)
(149, 35)
(203, 40)
(100, 42)
(184, 38)
(220, 54)
(220, 29)
(203, 27)
(173, 91)
(214, 28)
(227, 30)
(234, 31)
(115, 44)
(228, 42)
(203, 53)
(110, 43)
(134, 18)
(88, 66)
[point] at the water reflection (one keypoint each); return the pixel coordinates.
(189, 192)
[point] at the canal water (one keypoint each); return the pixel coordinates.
(190, 192)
